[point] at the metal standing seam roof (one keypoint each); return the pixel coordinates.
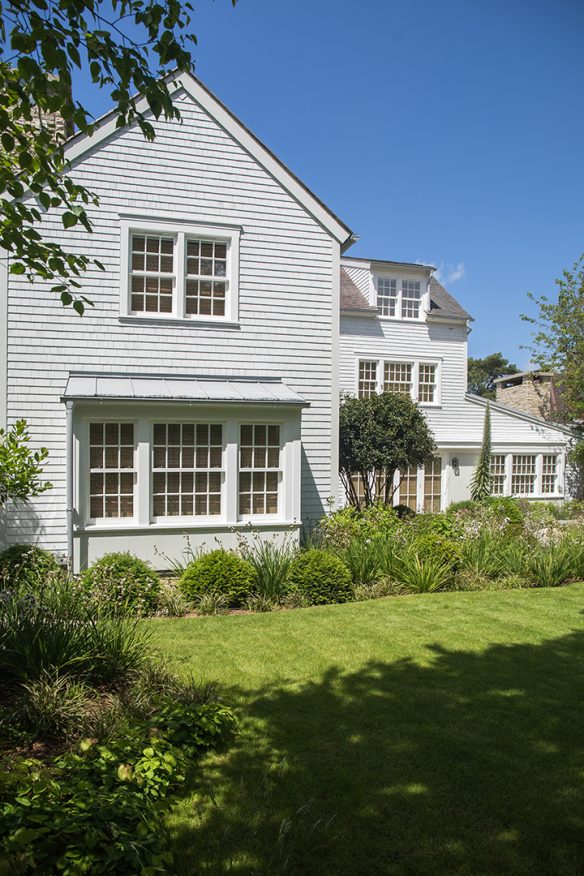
(139, 387)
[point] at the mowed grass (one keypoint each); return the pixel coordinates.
(438, 734)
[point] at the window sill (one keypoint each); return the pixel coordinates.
(420, 319)
(207, 525)
(132, 319)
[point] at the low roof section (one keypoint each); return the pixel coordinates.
(84, 386)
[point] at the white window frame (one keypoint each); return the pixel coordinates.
(400, 298)
(538, 493)
(415, 365)
(289, 480)
(180, 231)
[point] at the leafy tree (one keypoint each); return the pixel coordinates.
(126, 46)
(480, 486)
(558, 338)
(482, 373)
(378, 436)
(20, 467)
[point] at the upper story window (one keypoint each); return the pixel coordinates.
(400, 298)
(420, 380)
(179, 271)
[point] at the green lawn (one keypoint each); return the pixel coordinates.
(437, 734)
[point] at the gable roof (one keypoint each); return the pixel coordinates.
(519, 414)
(442, 303)
(79, 144)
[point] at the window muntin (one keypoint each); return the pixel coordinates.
(206, 277)
(433, 485)
(549, 473)
(426, 384)
(187, 463)
(259, 469)
(397, 377)
(498, 472)
(367, 378)
(523, 474)
(152, 273)
(111, 470)
(411, 298)
(387, 296)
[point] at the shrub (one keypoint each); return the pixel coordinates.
(51, 706)
(122, 583)
(506, 509)
(320, 577)
(431, 545)
(404, 512)
(337, 530)
(219, 572)
(27, 566)
(59, 632)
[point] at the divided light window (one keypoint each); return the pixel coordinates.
(187, 469)
(387, 296)
(111, 470)
(411, 297)
(523, 474)
(397, 377)
(549, 473)
(367, 378)
(427, 383)
(152, 273)
(408, 488)
(433, 485)
(206, 277)
(259, 469)
(498, 474)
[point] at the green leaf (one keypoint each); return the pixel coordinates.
(69, 219)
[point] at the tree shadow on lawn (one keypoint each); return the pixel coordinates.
(472, 764)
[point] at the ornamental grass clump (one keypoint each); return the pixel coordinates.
(424, 574)
(271, 561)
(320, 577)
(123, 584)
(219, 572)
(26, 566)
(550, 566)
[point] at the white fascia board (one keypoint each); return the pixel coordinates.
(108, 125)
(520, 415)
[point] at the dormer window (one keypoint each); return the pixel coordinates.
(399, 298)
(179, 271)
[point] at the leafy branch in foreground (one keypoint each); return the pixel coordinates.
(126, 46)
(20, 467)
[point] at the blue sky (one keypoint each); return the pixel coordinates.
(444, 131)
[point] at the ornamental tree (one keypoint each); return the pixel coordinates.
(558, 339)
(20, 467)
(379, 436)
(124, 46)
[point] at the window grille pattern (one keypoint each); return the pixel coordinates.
(498, 474)
(433, 485)
(259, 469)
(206, 277)
(411, 296)
(408, 489)
(523, 475)
(549, 473)
(427, 383)
(111, 470)
(387, 296)
(152, 273)
(367, 378)
(187, 461)
(397, 377)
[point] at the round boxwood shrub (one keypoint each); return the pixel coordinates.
(26, 565)
(219, 572)
(320, 577)
(123, 584)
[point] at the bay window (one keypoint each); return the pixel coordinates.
(259, 469)
(187, 469)
(111, 470)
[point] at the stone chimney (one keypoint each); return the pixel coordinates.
(534, 392)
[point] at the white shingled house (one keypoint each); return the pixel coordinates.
(200, 394)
